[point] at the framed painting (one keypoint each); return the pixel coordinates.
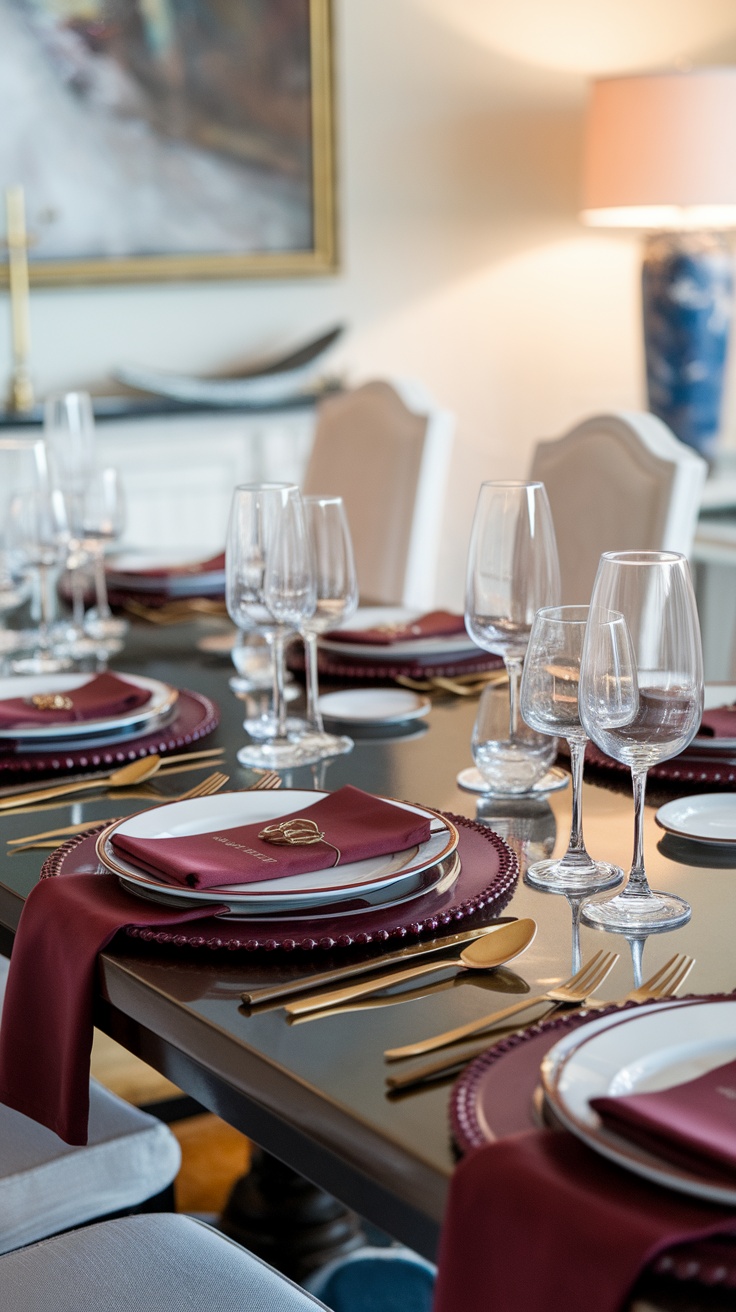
(170, 139)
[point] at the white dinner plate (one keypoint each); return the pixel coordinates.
(202, 815)
(654, 1047)
(708, 817)
(374, 705)
(371, 617)
(435, 879)
(162, 700)
(132, 571)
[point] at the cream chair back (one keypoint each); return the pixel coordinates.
(617, 482)
(385, 449)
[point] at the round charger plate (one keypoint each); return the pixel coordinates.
(374, 705)
(707, 817)
(473, 782)
(495, 1096)
(194, 716)
(161, 701)
(488, 875)
(203, 815)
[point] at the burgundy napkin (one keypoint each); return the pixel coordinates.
(538, 1221)
(209, 566)
(435, 624)
(104, 695)
(46, 1031)
(355, 825)
(694, 1123)
(718, 723)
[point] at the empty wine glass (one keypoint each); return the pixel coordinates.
(513, 570)
(38, 537)
(102, 523)
(267, 544)
(549, 704)
(336, 600)
(641, 700)
(69, 436)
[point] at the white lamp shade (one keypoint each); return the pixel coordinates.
(660, 150)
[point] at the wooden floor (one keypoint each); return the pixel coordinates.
(214, 1155)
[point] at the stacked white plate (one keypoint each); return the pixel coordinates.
(456, 646)
(347, 889)
(160, 572)
(81, 734)
(654, 1047)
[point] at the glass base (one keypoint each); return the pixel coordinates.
(41, 664)
(244, 687)
(265, 727)
(576, 880)
(279, 755)
(105, 627)
(326, 744)
(637, 913)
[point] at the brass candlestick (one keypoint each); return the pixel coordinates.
(20, 398)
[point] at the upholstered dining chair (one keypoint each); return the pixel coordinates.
(617, 482)
(385, 449)
(160, 1261)
(47, 1186)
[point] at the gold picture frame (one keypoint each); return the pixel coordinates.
(319, 257)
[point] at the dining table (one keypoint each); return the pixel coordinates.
(313, 1091)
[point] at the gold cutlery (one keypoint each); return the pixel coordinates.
(145, 767)
(661, 984)
(499, 980)
(484, 954)
(267, 780)
(305, 983)
(169, 765)
(462, 685)
(574, 990)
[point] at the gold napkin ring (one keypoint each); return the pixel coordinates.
(298, 832)
(51, 701)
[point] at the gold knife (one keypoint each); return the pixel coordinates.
(306, 983)
(168, 766)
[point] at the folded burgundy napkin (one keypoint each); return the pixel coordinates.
(537, 1221)
(209, 566)
(347, 825)
(718, 723)
(693, 1124)
(105, 694)
(435, 624)
(46, 1031)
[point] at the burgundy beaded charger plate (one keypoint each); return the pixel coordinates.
(194, 716)
(495, 1097)
(487, 877)
(336, 666)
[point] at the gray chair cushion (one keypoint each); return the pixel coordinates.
(46, 1185)
(155, 1263)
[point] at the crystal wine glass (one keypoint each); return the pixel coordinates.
(549, 704)
(641, 700)
(103, 521)
(267, 542)
(513, 570)
(69, 435)
(337, 599)
(37, 536)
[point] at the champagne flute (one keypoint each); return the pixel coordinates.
(103, 521)
(513, 570)
(267, 544)
(549, 704)
(641, 700)
(69, 435)
(336, 600)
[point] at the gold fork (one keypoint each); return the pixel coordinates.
(575, 989)
(267, 780)
(663, 983)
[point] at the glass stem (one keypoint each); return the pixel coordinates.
(77, 582)
(575, 904)
(310, 654)
(637, 952)
(576, 845)
(637, 885)
(103, 605)
(514, 667)
(279, 697)
(46, 605)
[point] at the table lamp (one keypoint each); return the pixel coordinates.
(660, 155)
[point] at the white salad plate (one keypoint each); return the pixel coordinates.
(372, 617)
(373, 705)
(654, 1047)
(162, 699)
(310, 889)
(707, 817)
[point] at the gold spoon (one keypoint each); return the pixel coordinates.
(134, 773)
(485, 953)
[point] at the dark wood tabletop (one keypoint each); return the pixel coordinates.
(314, 1094)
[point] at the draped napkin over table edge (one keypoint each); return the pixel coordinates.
(101, 696)
(435, 624)
(347, 825)
(538, 1221)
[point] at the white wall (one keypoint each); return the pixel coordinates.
(463, 262)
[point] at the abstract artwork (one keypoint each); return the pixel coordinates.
(169, 138)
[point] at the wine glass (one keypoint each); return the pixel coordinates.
(513, 570)
(38, 537)
(336, 600)
(267, 546)
(102, 523)
(641, 700)
(549, 704)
